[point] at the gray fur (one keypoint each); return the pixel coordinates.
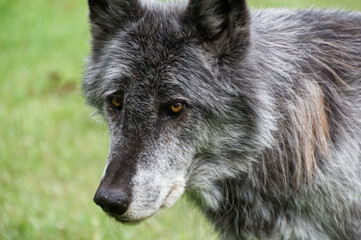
(269, 145)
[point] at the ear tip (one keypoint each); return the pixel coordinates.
(108, 15)
(97, 4)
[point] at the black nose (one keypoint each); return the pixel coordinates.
(113, 201)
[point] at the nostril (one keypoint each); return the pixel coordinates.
(113, 201)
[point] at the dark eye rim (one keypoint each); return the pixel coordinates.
(121, 100)
(172, 114)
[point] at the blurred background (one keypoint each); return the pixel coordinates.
(52, 153)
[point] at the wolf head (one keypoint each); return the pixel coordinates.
(161, 75)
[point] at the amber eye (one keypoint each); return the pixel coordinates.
(175, 109)
(116, 103)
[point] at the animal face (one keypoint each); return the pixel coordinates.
(151, 75)
(152, 118)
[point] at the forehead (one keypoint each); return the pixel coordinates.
(151, 53)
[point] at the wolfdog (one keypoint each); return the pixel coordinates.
(255, 115)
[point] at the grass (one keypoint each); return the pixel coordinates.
(51, 153)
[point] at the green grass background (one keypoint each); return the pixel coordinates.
(52, 153)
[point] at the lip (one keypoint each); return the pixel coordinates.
(126, 221)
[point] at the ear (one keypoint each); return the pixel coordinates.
(222, 24)
(107, 16)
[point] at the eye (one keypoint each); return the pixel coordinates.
(175, 109)
(116, 103)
